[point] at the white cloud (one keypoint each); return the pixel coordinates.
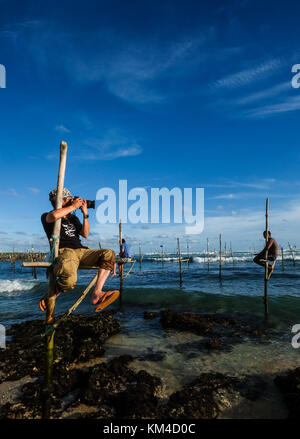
(13, 192)
(34, 190)
(225, 197)
(248, 76)
(110, 147)
(62, 129)
(290, 104)
(265, 93)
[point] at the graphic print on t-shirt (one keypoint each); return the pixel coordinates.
(69, 230)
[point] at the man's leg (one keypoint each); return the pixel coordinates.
(271, 266)
(105, 259)
(259, 259)
(65, 269)
(98, 293)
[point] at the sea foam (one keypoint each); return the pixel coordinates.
(8, 286)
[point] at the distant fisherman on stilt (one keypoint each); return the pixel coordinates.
(272, 248)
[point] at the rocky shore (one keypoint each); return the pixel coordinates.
(86, 385)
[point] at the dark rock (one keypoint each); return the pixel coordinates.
(197, 399)
(77, 339)
(203, 397)
(203, 324)
(289, 385)
(130, 395)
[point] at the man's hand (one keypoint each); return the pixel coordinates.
(83, 207)
(77, 203)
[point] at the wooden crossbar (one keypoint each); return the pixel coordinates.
(48, 264)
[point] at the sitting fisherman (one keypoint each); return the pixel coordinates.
(272, 248)
(125, 250)
(71, 252)
(125, 253)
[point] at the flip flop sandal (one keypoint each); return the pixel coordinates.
(41, 306)
(107, 301)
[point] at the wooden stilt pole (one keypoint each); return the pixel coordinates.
(282, 259)
(266, 263)
(49, 329)
(121, 265)
(292, 253)
(179, 260)
(33, 260)
(140, 256)
(220, 257)
(207, 245)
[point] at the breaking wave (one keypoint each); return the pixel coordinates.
(8, 286)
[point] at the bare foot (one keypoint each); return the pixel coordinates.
(270, 271)
(43, 301)
(99, 296)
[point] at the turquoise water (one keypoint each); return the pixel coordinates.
(155, 286)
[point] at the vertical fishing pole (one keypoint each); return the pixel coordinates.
(140, 256)
(220, 257)
(121, 265)
(292, 253)
(179, 260)
(266, 260)
(50, 300)
(207, 245)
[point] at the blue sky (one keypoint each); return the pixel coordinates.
(161, 93)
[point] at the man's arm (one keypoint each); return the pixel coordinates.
(86, 225)
(268, 245)
(56, 214)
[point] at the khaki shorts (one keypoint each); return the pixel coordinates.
(70, 259)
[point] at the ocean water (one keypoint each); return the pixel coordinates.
(154, 286)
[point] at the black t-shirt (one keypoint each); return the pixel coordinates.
(69, 231)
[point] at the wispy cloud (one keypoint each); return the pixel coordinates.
(34, 190)
(130, 72)
(292, 103)
(126, 66)
(264, 94)
(14, 193)
(259, 184)
(246, 195)
(224, 196)
(62, 129)
(248, 76)
(111, 147)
